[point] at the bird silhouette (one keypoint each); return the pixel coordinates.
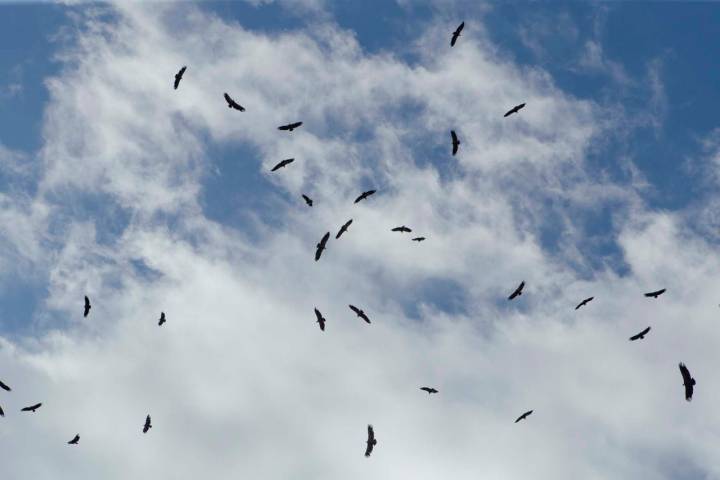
(656, 293)
(320, 319)
(584, 302)
(87, 307)
(290, 126)
(518, 291)
(32, 408)
(364, 195)
(456, 34)
(429, 390)
(282, 163)
(524, 416)
(179, 76)
(232, 103)
(321, 246)
(2, 413)
(640, 335)
(688, 381)
(455, 142)
(401, 229)
(75, 440)
(343, 229)
(418, 239)
(371, 442)
(359, 313)
(308, 200)
(162, 318)
(5, 387)
(515, 109)
(148, 424)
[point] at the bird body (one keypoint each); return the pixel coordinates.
(401, 229)
(688, 381)
(343, 229)
(162, 319)
(308, 200)
(232, 103)
(523, 416)
(290, 126)
(515, 109)
(371, 441)
(364, 195)
(87, 308)
(320, 319)
(75, 440)
(518, 291)
(148, 424)
(179, 76)
(640, 335)
(282, 163)
(656, 293)
(321, 246)
(32, 408)
(359, 313)
(429, 390)
(584, 302)
(455, 142)
(456, 34)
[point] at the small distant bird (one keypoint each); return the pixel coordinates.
(179, 76)
(282, 164)
(147, 425)
(162, 319)
(321, 246)
(343, 229)
(518, 290)
(455, 142)
(2, 413)
(371, 442)
(656, 293)
(75, 440)
(359, 313)
(429, 389)
(401, 229)
(32, 408)
(524, 416)
(688, 381)
(456, 34)
(87, 306)
(515, 109)
(640, 335)
(584, 302)
(418, 239)
(320, 319)
(5, 387)
(290, 126)
(364, 195)
(308, 200)
(232, 103)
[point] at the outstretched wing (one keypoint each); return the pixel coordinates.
(455, 142)
(364, 195)
(308, 200)
(355, 309)
(5, 387)
(178, 76)
(321, 246)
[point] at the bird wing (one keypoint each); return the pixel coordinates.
(354, 309)
(364, 317)
(5, 387)
(460, 27)
(295, 125)
(318, 315)
(228, 99)
(284, 127)
(2, 413)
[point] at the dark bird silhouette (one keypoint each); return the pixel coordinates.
(418, 239)
(455, 142)
(32, 408)
(640, 335)
(290, 126)
(75, 440)
(656, 293)
(429, 389)
(364, 195)
(87, 306)
(515, 109)
(2, 413)
(688, 381)
(162, 318)
(308, 200)
(524, 416)
(456, 34)
(343, 229)
(518, 290)
(147, 425)
(584, 302)
(178, 76)
(321, 246)
(320, 319)
(282, 164)
(232, 103)
(359, 313)
(401, 229)
(371, 442)
(5, 387)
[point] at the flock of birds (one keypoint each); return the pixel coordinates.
(688, 380)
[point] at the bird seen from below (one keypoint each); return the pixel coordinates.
(584, 302)
(343, 229)
(688, 381)
(518, 291)
(32, 408)
(456, 34)
(656, 293)
(455, 142)
(2, 413)
(418, 239)
(640, 336)
(5, 387)
(359, 313)
(364, 195)
(87, 308)
(148, 424)
(429, 390)
(179, 76)
(515, 109)
(523, 416)
(371, 441)
(290, 126)
(232, 103)
(282, 163)
(308, 200)
(401, 229)
(162, 319)
(320, 319)
(321, 246)
(75, 440)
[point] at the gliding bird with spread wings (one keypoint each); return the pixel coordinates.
(518, 291)
(148, 424)
(32, 408)
(584, 302)
(656, 293)
(364, 195)
(359, 313)
(343, 229)
(455, 142)
(320, 319)
(86, 310)
(179, 76)
(456, 34)
(515, 109)
(688, 381)
(232, 103)
(640, 336)
(523, 416)
(371, 442)
(321, 246)
(282, 163)
(290, 126)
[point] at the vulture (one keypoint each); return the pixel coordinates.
(87, 306)
(343, 229)
(656, 293)
(287, 161)
(5, 387)
(2, 414)
(518, 290)
(455, 142)
(640, 335)
(456, 34)
(401, 229)
(320, 319)
(359, 313)
(162, 318)
(32, 408)
(75, 440)
(290, 126)
(515, 109)
(371, 442)
(364, 195)
(232, 103)
(428, 389)
(147, 425)
(584, 302)
(308, 200)
(418, 239)
(688, 381)
(524, 416)
(178, 76)
(321, 246)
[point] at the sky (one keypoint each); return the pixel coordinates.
(149, 199)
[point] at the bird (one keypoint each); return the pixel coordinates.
(320, 319)
(290, 126)
(455, 142)
(75, 440)
(87, 306)
(688, 381)
(162, 319)
(418, 239)
(640, 335)
(232, 103)
(308, 200)
(429, 390)
(5, 387)
(364, 195)
(584, 302)
(656, 293)
(401, 229)
(524, 416)
(515, 109)
(371, 442)
(2, 413)
(518, 290)
(147, 425)
(456, 34)
(343, 229)
(287, 161)
(178, 76)
(359, 313)
(321, 246)
(32, 408)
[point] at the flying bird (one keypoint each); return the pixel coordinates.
(401, 229)
(455, 142)
(418, 239)
(688, 381)
(456, 34)
(2, 414)
(290, 126)
(359, 313)
(524, 416)
(87, 306)
(518, 290)
(343, 229)
(178, 76)
(584, 302)
(640, 335)
(364, 195)
(371, 442)
(282, 164)
(232, 103)
(32, 408)
(656, 293)
(429, 389)
(147, 425)
(321, 246)
(5, 387)
(308, 200)
(75, 440)
(515, 109)
(162, 318)
(320, 319)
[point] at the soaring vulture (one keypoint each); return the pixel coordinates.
(5, 387)
(429, 389)
(32, 408)
(321, 246)
(75, 440)
(584, 302)
(515, 109)
(162, 318)
(640, 335)
(2, 414)
(364, 195)
(343, 229)
(308, 200)
(320, 319)
(524, 416)
(518, 290)
(455, 142)
(688, 381)
(359, 313)
(147, 425)
(287, 161)
(371, 442)
(401, 229)
(232, 103)
(178, 76)
(456, 34)
(87, 306)
(290, 126)
(656, 293)
(418, 239)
